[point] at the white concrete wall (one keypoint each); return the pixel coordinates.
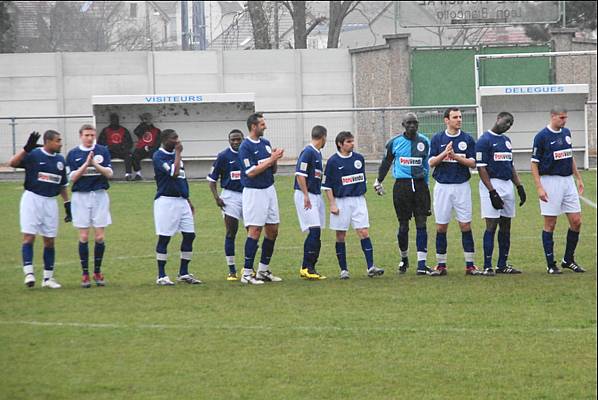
(63, 83)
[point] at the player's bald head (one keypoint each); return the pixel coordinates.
(410, 116)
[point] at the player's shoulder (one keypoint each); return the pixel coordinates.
(393, 139)
(358, 156)
(423, 138)
(437, 136)
(101, 147)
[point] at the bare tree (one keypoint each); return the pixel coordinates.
(301, 29)
(260, 24)
(338, 12)
(104, 27)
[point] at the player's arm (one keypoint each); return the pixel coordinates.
(74, 175)
(436, 157)
(176, 167)
(104, 170)
(327, 184)
(386, 162)
(580, 186)
(256, 170)
(538, 151)
(520, 189)
(302, 182)
(212, 179)
(301, 173)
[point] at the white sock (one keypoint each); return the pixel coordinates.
(263, 267)
(422, 256)
(28, 269)
(48, 274)
(230, 260)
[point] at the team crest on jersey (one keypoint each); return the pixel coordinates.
(269, 149)
(358, 164)
(462, 146)
(98, 158)
(421, 146)
(568, 139)
(116, 138)
(147, 137)
(508, 144)
(60, 165)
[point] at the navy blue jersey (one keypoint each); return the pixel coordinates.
(345, 175)
(45, 173)
(449, 170)
(553, 152)
(309, 165)
(495, 152)
(410, 156)
(91, 179)
(227, 168)
(167, 184)
(252, 153)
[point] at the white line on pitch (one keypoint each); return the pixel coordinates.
(588, 202)
(295, 327)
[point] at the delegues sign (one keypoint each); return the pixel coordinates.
(475, 13)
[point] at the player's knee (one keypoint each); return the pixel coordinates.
(188, 237)
(420, 221)
(363, 233)
(48, 242)
(465, 226)
(576, 224)
(28, 239)
(99, 237)
(83, 236)
(340, 236)
(315, 232)
(404, 226)
(162, 245)
(441, 228)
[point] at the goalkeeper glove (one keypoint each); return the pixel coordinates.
(67, 209)
(379, 188)
(31, 142)
(522, 195)
(497, 202)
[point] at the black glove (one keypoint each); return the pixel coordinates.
(67, 209)
(497, 202)
(31, 142)
(522, 195)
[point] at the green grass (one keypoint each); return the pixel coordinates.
(527, 336)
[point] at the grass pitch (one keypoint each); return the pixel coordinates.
(408, 337)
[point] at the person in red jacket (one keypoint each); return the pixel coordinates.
(119, 142)
(148, 141)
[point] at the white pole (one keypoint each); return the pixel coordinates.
(586, 155)
(478, 98)
(544, 54)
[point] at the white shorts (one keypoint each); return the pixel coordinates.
(352, 211)
(38, 215)
(91, 209)
(315, 216)
(562, 195)
(260, 206)
(172, 215)
(233, 203)
(507, 194)
(449, 197)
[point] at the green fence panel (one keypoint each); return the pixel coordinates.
(515, 71)
(442, 77)
(446, 76)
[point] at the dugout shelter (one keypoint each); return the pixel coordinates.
(202, 121)
(531, 105)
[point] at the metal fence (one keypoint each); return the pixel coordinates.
(289, 129)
